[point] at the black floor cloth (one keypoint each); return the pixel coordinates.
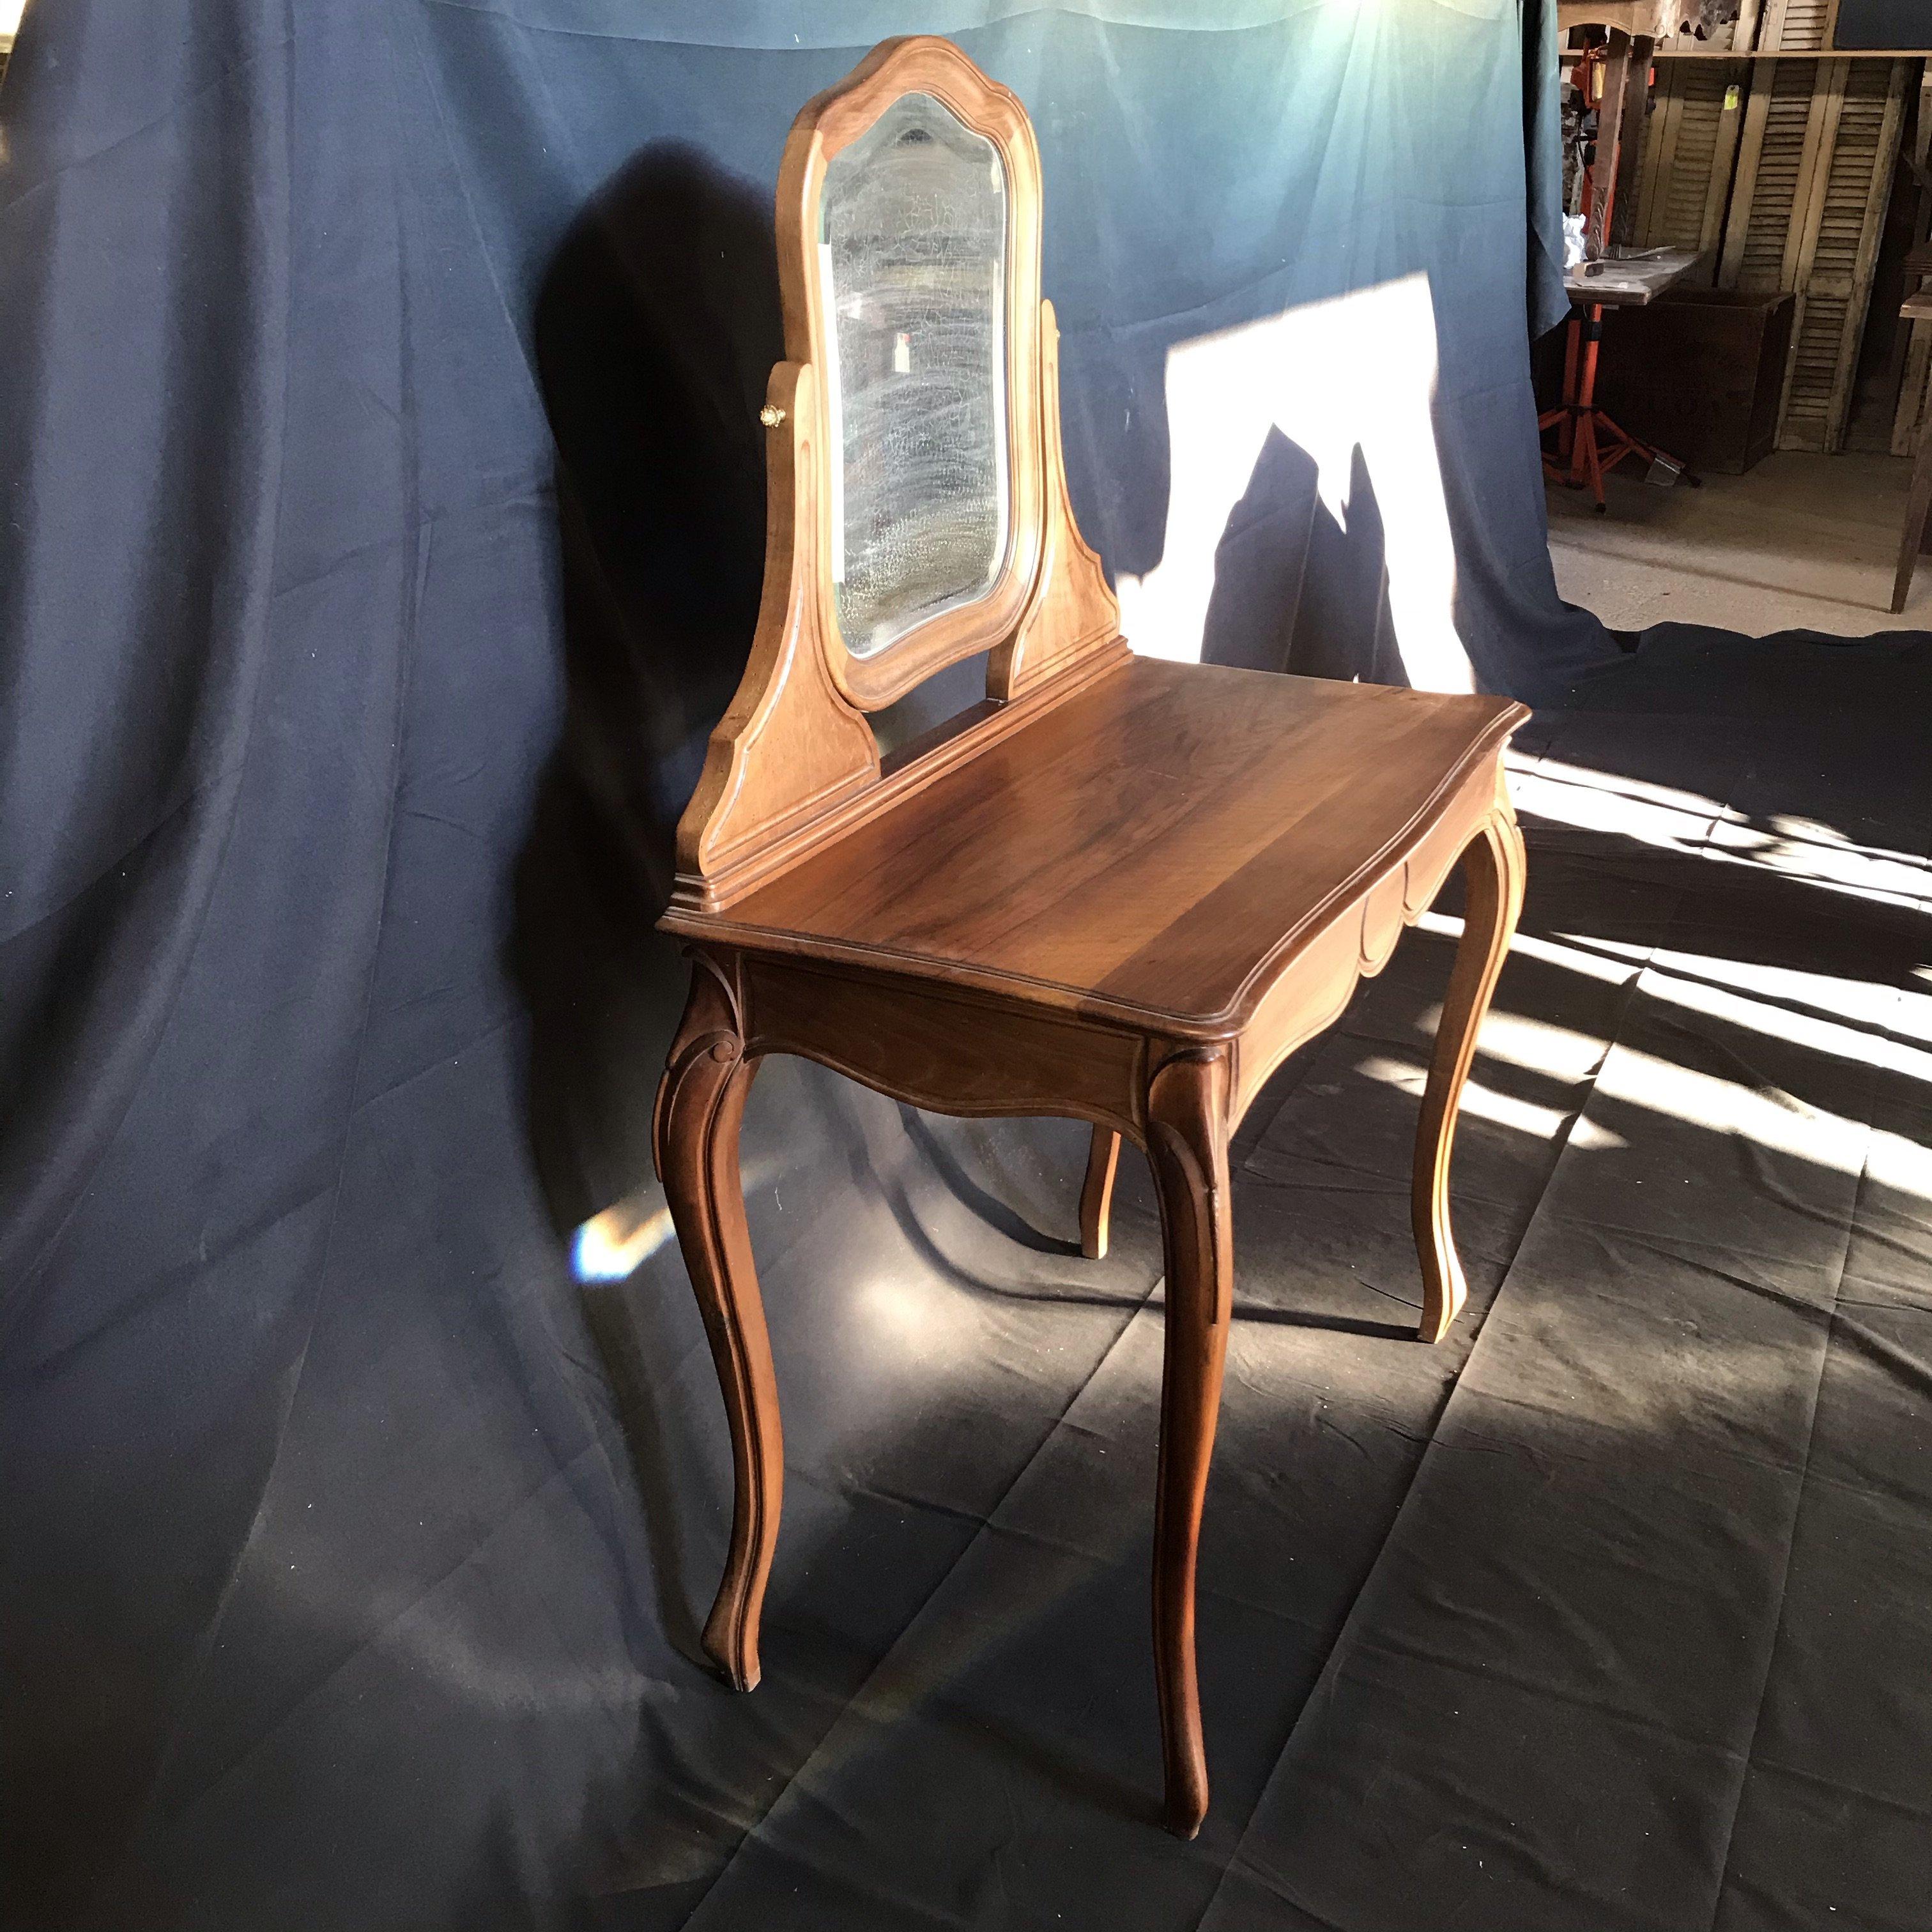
(353, 1553)
(1612, 1611)
(1609, 1613)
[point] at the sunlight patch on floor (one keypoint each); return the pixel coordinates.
(1592, 801)
(1483, 1102)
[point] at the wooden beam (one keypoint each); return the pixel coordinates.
(1792, 53)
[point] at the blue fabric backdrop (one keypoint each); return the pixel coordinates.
(382, 536)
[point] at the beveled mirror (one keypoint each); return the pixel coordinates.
(909, 259)
(912, 274)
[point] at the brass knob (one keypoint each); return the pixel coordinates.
(771, 415)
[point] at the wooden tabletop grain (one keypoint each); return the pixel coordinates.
(1154, 846)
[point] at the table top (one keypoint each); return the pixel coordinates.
(1631, 279)
(1146, 848)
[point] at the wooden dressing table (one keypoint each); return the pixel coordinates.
(1119, 889)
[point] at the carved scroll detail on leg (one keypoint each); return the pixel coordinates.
(1493, 870)
(1187, 1111)
(1096, 1193)
(700, 1104)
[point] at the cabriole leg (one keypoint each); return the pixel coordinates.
(1097, 1195)
(1187, 1147)
(700, 1104)
(1492, 869)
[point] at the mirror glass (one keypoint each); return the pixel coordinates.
(912, 259)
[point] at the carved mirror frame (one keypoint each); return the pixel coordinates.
(794, 760)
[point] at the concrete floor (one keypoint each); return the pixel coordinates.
(1799, 542)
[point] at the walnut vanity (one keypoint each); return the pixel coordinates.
(1119, 889)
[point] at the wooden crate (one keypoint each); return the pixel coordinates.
(1700, 373)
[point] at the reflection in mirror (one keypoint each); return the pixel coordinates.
(912, 259)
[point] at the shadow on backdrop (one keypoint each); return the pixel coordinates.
(655, 326)
(1297, 588)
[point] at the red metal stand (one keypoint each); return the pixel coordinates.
(1589, 444)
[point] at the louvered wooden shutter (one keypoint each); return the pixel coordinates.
(1839, 250)
(1814, 170)
(1690, 146)
(1688, 149)
(1797, 26)
(1912, 396)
